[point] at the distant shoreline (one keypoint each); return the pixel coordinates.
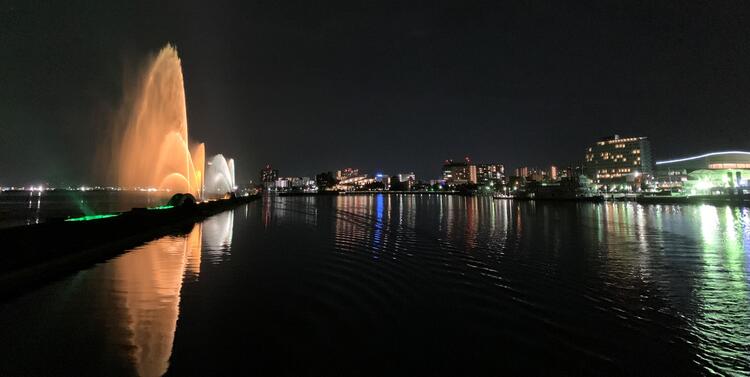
(641, 199)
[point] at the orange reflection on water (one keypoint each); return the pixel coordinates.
(148, 283)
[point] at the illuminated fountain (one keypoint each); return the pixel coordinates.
(219, 177)
(154, 149)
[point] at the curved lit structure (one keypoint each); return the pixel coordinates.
(219, 177)
(744, 157)
(154, 150)
(706, 174)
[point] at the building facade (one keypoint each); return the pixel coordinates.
(704, 174)
(459, 173)
(531, 174)
(490, 173)
(552, 173)
(347, 173)
(268, 176)
(619, 163)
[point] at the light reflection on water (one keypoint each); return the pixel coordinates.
(689, 263)
(146, 286)
(131, 304)
(33, 207)
(576, 287)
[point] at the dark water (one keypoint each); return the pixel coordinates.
(32, 207)
(415, 285)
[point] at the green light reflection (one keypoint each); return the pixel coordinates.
(160, 207)
(93, 217)
(722, 293)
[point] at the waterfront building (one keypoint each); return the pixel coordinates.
(522, 172)
(458, 173)
(384, 179)
(536, 175)
(570, 171)
(619, 163)
(709, 173)
(268, 177)
(305, 184)
(405, 177)
(282, 184)
(490, 173)
(552, 173)
(325, 181)
(354, 183)
(437, 182)
(406, 180)
(347, 173)
(531, 174)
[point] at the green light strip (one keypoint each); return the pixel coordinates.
(161, 207)
(93, 217)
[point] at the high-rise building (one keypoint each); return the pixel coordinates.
(457, 173)
(487, 173)
(268, 176)
(552, 173)
(531, 173)
(522, 172)
(619, 163)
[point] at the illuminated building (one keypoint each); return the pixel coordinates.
(406, 177)
(487, 173)
(472, 173)
(459, 173)
(304, 184)
(710, 173)
(347, 173)
(268, 176)
(354, 183)
(531, 174)
(385, 179)
(552, 174)
(619, 163)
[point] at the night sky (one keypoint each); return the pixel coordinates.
(311, 86)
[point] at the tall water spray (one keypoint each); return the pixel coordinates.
(154, 150)
(219, 176)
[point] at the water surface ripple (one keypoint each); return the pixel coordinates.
(406, 284)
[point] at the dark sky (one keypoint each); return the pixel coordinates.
(385, 86)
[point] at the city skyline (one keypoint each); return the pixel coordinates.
(523, 84)
(385, 188)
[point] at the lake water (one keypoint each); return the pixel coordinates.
(32, 207)
(405, 285)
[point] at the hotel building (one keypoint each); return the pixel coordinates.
(619, 163)
(457, 173)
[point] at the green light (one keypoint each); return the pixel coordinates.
(93, 217)
(161, 207)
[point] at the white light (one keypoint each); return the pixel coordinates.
(701, 156)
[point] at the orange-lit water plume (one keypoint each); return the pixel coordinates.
(154, 151)
(148, 284)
